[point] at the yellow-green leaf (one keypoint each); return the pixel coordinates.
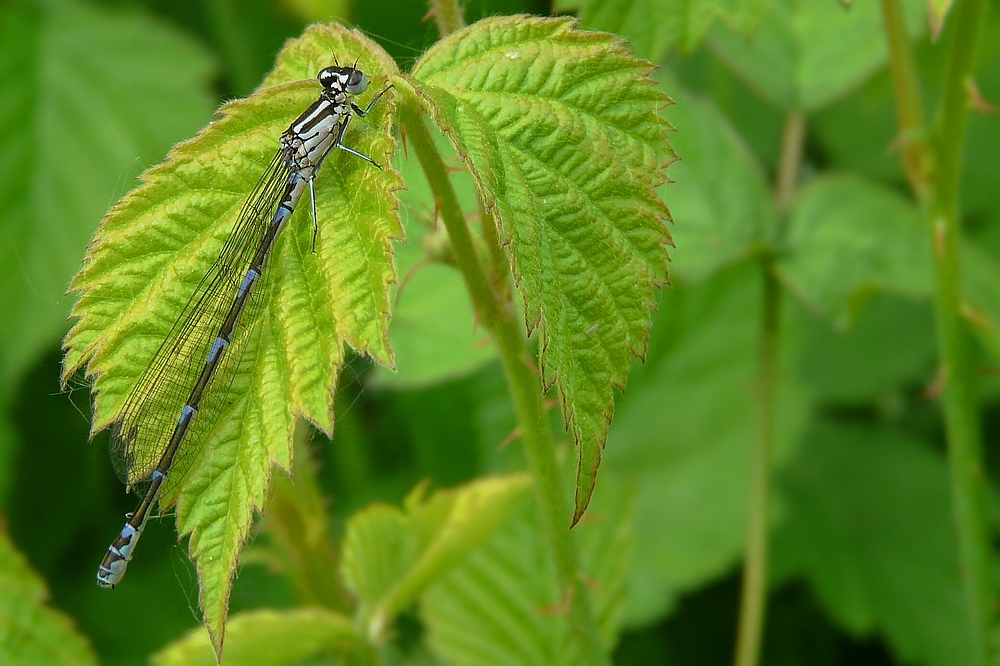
(392, 555)
(267, 638)
(156, 244)
(503, 604)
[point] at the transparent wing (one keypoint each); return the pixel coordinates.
(149, 415)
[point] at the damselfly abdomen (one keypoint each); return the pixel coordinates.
(199, 357)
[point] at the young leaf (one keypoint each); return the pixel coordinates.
(502, 605)
(391, 556)
(561, 129)
(156, 244)
(267, 638)
(31, 632)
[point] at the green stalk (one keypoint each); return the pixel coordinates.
(914, 148)
(753, 595)
(499, 317)
(962, 423)
(936, 168)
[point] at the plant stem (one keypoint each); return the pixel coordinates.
(296, 522)
(916, 155)
(753, 595)
(793, 140)
(962, 425)
(501, 320)
(937, 175)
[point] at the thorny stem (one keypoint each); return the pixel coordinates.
(499, 317)
(937, 190)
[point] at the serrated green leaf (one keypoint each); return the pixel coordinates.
(653, 26)
(848, 238)
(683, 434)
(391, 556)
(869, 525)
(154, 246)
(267, 638)
(808, 54)
(721, 193)
(31, 632)
(89, 97)
(503, 605)
(562, 131)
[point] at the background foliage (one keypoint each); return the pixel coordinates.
(864, 566)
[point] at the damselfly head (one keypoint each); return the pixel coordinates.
(349, 79)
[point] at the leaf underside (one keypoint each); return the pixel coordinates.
(561, 128)
(156, 244)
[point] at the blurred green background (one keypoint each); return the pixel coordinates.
(864, 564)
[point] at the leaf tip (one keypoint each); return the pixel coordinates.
(586, 481)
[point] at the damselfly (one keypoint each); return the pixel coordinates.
(155, 424)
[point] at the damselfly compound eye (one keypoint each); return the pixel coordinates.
(357, 83)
